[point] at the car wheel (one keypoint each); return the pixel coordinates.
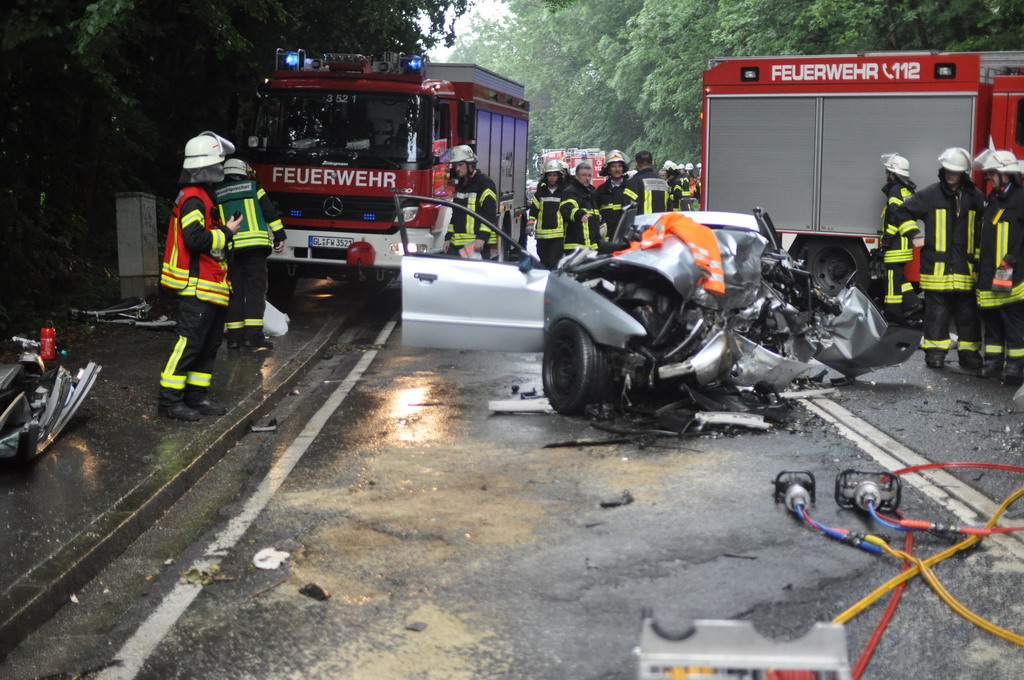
(575, 368)
(834, 262)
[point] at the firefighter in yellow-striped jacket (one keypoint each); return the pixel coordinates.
(1000, 268)
(260, 232)
(548, 224)
(195, 267)
(477, 192)
(950, 209)
(608, 196)
(579, 212)
(901, 301)
(645, 189)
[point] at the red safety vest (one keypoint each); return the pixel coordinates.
(206, 276)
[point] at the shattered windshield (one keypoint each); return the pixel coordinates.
(372, 128)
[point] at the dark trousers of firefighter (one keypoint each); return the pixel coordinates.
(550, 251)
(1004, 333)
(248, 275)
(189, 370)
(939, 309)
(900, 298)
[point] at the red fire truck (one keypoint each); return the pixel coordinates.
(337, 135)
(802, 137)
(573, 157)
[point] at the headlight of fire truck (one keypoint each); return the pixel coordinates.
(396, 248)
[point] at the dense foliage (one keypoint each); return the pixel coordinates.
(627, 74)
(99, 97)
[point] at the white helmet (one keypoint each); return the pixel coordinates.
(616, 156)
(462, 153)
(564, 166)
(669, 165)
(955, 159)
(552, 165)
(208, 148)
(1001, 161)
(689, 166)
(237, 167)
(896, 164)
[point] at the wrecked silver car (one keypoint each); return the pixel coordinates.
(36, 404)
(685, 302)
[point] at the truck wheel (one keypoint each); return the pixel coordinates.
(280, 285)
(575, 368)
(833, 262)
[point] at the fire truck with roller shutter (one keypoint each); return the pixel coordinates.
(337, 135)
(802, 137)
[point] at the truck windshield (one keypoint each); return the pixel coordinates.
(382, 130)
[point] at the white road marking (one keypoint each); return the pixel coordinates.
(967, 504)
(154, 629)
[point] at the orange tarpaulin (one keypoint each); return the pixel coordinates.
(700, 239)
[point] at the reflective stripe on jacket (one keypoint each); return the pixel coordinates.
(1001, 239)
(648, 191)
(896, 245)
(608, 199)
(479, 194)
(947, 258)
(261, 226)
(577, 201)
(194, 261)
(544, 209)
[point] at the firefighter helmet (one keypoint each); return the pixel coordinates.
(237, 167)
(670, 166)
(208, 148)
(999, 161)
(565, 167)
(552, 165)
(955, 159)
(462, 153)
(689, 166)
(896, 164)
(616, 156)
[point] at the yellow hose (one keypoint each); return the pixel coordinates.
(923, 567)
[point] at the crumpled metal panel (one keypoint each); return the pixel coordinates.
(707, 365)
(673, 260)
(609, 325)
(741, 263)
(862, 341)
(755, 363)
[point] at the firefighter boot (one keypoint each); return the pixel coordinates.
(992, 368)
(234, 338)
(179, 412)
(935, 358)
(1013, 374)
(254, 339)
(207, 408)
(969, 359)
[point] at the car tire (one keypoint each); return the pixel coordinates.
(834, 262)
(575, 369)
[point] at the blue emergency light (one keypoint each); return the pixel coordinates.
(370, 217)
(296, 213)
(291, 59)
(412, 64)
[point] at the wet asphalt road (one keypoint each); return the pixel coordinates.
(414, 504)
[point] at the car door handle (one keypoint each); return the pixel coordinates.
(426, 278)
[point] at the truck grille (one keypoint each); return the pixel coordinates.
(326, 207)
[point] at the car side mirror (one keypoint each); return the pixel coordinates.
(525, 262)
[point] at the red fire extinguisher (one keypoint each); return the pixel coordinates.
(48, 342)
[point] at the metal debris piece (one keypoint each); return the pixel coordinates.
(623, 499)
(749, 420)
(314, 591)
(266, 425)
(416, 626)
(540, 405)
(807, 394)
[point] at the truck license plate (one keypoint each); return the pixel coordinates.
(329, 242)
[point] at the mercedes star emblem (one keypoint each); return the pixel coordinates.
(333, 206)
